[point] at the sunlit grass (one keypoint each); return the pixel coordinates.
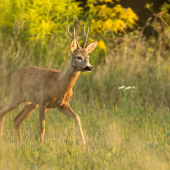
(117, 138)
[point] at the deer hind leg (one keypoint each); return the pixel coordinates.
(5, 109)
(15, 97)
(25, 112)
(69, 112)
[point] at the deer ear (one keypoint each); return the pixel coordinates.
(73, 45)
(91, 46)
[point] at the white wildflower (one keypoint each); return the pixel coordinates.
(129, 87)
(122, 87)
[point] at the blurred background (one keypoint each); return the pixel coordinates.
(138, 7)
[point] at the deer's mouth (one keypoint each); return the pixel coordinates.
(88, 68)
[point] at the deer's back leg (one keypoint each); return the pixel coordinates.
(25, 112)
(5, 109)
(15, 97)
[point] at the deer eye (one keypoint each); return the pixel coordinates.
(79, 58)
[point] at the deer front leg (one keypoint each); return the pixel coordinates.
(66, 109)
(42, 111)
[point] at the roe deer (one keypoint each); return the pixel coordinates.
(48, 88)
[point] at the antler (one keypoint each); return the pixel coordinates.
(70, 33)
(73, 37)
(85, 36)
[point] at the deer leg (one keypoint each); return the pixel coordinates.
(5, 109)
(42, 110)
(25, 112)
(69, 112)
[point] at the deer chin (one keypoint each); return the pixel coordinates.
(87, 71)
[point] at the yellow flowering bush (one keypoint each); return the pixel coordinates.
(105, 19)
(39, 18)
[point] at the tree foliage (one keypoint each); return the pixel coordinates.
(106, 19)
(161, 22)
(39, 18)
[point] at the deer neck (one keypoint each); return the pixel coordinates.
(68, 78)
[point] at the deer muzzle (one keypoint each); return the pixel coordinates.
(88, 68)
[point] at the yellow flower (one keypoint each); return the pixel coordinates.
(93, 21)
(107, 1)
(102, 45)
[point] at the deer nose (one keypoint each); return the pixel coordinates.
(88, 68)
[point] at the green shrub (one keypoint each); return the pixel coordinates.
(39, 19)
(105, 19)
(161, 23)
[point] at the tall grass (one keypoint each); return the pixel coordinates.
(131, 61)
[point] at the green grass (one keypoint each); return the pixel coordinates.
(117, 138)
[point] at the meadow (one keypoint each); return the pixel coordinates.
(117, 138)
(125, 128)
(123, 104)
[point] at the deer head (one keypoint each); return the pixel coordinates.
(80, 55)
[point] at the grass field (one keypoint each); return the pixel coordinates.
(132, 137)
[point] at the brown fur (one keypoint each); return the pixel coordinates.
(47, 88)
